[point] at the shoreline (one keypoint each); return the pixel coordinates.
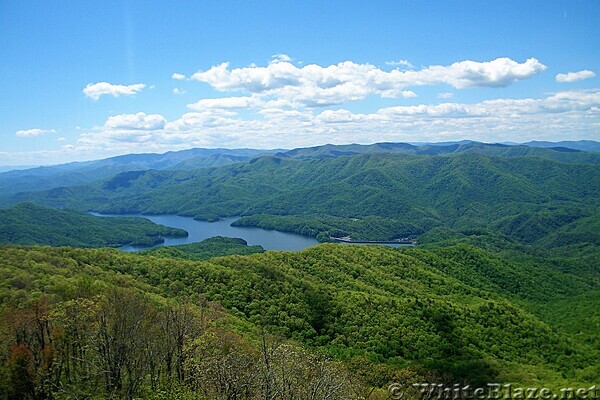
(343, 240)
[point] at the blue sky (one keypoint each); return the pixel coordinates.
(85, 79)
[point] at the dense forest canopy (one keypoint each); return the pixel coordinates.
(375, 196)
(27, 224)
(213, 247)
(503, 285)
(455, 313)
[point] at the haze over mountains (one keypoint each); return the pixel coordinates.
(583, 145)
(382, 191)
(78, 173)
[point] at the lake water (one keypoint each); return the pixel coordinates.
(201, 230)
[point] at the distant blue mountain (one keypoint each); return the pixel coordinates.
(81, 173)
(583, 145)
(558, 153)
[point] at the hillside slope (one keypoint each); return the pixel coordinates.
(556, 152)
(372, 196)
(352, 302)
(80, 173)
(28, 224)
(209, 248)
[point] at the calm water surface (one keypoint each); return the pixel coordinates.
(201, 230)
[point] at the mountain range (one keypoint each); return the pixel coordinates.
(79, 173)
(368, 196)
(503, 285)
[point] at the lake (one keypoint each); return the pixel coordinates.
(201, 230)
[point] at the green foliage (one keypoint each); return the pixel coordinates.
(503, 286)
(28, 224)
(328, 226)
(81, 173)
(369, 197)
(401, 308)
(209, 248)
(71, 326)
(489, 149)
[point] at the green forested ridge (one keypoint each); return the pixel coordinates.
(206, 249)
(558, 153)
(561, 284)
(504, 285)
(80, 173)
(456, 312)
(370, 197)
(584, 145)
(72, 326)
(581, 259)
(324, 226)
(27, 224)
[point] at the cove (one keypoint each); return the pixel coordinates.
(201, 230)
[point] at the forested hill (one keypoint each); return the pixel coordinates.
(371, 196)
(209, 248)
(28, 224)
(556, 152)
(503, 287)
(386, 314)
(584, 145)
(79, 173)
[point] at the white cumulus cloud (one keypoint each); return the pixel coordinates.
(400, 63)
(95, 90)
(177, 76)
(575, 76)
(217, 124)
(34, 132)
(226, 102)
(317, 86)
(139, 121)
(585, 101)
(280, 58)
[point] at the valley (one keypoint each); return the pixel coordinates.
(201, 230)
(506, 245)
